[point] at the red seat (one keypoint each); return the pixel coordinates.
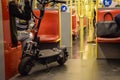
(102, 12)
(74, 27)
(100, 18)
(49, 38)
(108, 40)
(49, 29)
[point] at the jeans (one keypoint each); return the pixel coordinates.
(24, 37)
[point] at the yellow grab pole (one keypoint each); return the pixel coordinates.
(81, 16)
(90, 18)
(59, 10)
(71, 20)
(97, 3)
(119, 2)
(86, 16)
(67, 2)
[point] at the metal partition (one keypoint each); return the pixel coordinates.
(66, 34)
(66, 26)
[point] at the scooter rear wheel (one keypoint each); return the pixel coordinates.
(25, 66)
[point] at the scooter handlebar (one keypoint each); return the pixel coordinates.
(48, 1)
(56, 1)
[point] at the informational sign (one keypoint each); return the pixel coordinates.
(63, 8)
(107, 3)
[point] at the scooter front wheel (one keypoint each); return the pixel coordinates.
(25, 66)
(62, 58)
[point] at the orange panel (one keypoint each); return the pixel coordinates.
(6, 23)
(12, 59)
(85, 22)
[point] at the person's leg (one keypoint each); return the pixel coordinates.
(24, 37)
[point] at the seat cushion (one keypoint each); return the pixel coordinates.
(108, 40)
(49, 38)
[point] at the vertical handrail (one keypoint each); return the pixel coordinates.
(97, 3)
(71, 19)
(119, 2)
(59, 11)
(91, 17)
(81, 16)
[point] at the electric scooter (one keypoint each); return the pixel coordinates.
(32, 52)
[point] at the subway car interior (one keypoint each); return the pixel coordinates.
(68, 40)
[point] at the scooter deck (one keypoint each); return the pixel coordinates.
(49, 53)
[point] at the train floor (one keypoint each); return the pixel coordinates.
(80, 66)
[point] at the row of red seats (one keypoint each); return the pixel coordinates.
(100, 18)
